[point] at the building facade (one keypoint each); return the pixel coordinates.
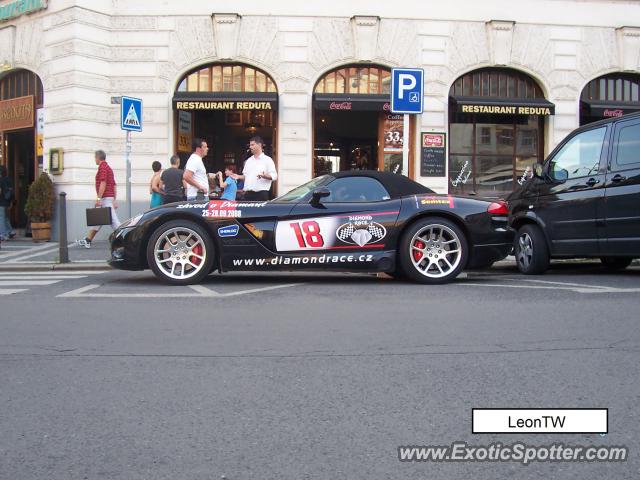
(504, 83)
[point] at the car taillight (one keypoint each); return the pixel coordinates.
(498, 208)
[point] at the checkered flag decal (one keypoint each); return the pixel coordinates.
(375, 231)
(346, 232)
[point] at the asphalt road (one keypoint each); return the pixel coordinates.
(114, 376)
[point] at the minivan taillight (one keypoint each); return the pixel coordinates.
(498, 208)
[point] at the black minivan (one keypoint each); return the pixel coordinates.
(584, 201)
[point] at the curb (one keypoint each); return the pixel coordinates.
(12, 267)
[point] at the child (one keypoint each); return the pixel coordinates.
(230, 186)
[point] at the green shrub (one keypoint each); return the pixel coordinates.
(40, 200)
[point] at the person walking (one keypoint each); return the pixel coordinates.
(106, 196)
(6, 199)
(155, 186)
(230, 185)
(258, 172)
(172, 181)
(194, 172)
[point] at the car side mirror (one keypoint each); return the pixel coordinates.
(560, 175)
(318, 194)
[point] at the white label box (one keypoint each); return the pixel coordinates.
(539, 420)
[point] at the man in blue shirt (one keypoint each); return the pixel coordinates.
(230, 186)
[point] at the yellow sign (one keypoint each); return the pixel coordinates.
(39, 147)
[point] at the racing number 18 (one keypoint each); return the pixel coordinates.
(308, 235)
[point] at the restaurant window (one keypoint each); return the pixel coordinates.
(496, 130)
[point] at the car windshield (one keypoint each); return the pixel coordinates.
(300, 192)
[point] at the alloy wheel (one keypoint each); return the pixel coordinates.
(180, 253)
(435, 251)
(524, 252)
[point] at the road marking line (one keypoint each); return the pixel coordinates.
(257, 290)
(54, 272)
(556, 287)
(40, 249)
(11, 291)
(548, 282)
(204, 291)
(11, 283)
(199, 292)
(40, 277)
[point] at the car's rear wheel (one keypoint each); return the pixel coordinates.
(180, 252)
(530, 249)
(616, 263)
(433, 250)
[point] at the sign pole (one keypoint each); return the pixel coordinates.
(405, 145)
(128, 159)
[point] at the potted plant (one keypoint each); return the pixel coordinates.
(39, 207)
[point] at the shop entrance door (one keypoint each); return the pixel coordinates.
(345, 140)
(20, 156)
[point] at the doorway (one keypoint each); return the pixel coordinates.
(345, 141)
(20, 158)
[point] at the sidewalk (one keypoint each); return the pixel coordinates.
(23, 254)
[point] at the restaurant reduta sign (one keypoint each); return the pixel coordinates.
(16, 113)
(222, 105)
(506, 109)
(18, 8)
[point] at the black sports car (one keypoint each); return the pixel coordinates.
(363, 221)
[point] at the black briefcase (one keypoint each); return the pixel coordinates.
(98, 216)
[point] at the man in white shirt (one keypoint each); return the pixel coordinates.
(258, 173)
(194, 172)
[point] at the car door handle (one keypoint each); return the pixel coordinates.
(618, 178)
(592, 181)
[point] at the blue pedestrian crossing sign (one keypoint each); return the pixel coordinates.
(131, 114)
(407, 90)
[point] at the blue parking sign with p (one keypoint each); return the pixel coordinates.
(407, 90)
(131, 114)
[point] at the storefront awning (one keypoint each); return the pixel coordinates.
(504, 106)
(595, 108)
(225, 101)
(335, 102)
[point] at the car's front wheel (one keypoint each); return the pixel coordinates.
(530, 249)
(616, 263)
(180, 252)
(433, 250)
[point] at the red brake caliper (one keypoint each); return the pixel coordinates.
(417, 255)
(198, 251)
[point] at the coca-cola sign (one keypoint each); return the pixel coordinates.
(340, 106)
(613, 113)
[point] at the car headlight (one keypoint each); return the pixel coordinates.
(132, 222)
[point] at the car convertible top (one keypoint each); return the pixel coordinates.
(397, 185)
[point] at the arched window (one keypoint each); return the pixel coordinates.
(356, 79)
(227, 78)
(496, 82)
(611, 95)
(21, 83)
